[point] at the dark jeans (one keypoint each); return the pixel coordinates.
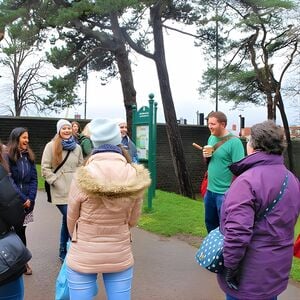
(64, 234)
(212, 203)
(228, 297)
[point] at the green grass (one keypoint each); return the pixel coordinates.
(41, 180)
(295, 272)
(173, 214)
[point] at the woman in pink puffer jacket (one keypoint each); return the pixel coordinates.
(105, 201)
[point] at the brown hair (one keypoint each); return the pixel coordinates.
(13, 145)
(220, 116)
(3, 162)
(57, 150)
(125, 153)
(79, 127)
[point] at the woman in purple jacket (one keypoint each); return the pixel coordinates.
(258, 254)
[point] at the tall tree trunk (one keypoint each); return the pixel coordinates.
(278, 100)
(270, 107)
(173, 132)
(121, 54)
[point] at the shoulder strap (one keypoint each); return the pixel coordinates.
(220, 143)
(62, 163)
(275, 201)
(225, 139)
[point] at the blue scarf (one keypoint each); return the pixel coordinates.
(107, 148)
(69, 144)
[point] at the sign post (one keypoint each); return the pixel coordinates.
(144, 136)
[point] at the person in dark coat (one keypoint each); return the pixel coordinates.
(11, 215)
(258, 254)
(24, 174)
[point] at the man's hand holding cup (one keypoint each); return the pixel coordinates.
(208, 151)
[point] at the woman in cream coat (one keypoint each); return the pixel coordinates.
(54, 153)
(105, 201)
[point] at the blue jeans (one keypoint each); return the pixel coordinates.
(13, 290)
(83, 286)
(212, 203)
(64, 233)
(228, 297)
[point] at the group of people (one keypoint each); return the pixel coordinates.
(257, 251)
(96, 188)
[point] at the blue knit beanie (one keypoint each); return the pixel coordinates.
(104, 131)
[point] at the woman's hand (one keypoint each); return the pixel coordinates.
(232, 277)
(27, 203)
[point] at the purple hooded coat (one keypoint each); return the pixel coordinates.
(264, 250)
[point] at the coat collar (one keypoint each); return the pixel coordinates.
(255, 159)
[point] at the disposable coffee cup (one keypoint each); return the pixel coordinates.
(208, 150)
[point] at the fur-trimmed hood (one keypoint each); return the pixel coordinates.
(108, 174)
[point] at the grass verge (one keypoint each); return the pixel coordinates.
(175, 215)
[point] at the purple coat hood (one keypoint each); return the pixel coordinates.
(262, 249)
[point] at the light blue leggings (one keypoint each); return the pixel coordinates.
(84, 286)
(13, 290)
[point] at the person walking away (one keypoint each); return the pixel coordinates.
(54, 153)
(219, 176)
(105, 201)
(85, 141)
(258, 251)
(127, 142)
(23, 172)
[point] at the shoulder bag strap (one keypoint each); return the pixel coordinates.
(275, 201)
(225, 139)
(62, 163)
(220, 143)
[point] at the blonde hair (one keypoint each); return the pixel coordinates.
(86, 130)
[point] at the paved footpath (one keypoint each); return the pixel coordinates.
(165, 268)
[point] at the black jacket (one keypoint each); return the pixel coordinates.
(12, 212)
(11, 207)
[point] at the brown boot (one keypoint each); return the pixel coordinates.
(28, 270)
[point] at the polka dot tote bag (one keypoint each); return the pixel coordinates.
(210, 253)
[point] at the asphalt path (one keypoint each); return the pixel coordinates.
(164, 269)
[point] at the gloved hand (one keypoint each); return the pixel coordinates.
(232, 277)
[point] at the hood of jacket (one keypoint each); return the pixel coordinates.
(109, 174)
(255, 159)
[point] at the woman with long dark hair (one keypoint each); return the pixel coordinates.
(23, 172)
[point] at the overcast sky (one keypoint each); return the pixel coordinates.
(185, 65)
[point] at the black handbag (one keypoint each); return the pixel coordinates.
(13, 255)
(47, 185)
